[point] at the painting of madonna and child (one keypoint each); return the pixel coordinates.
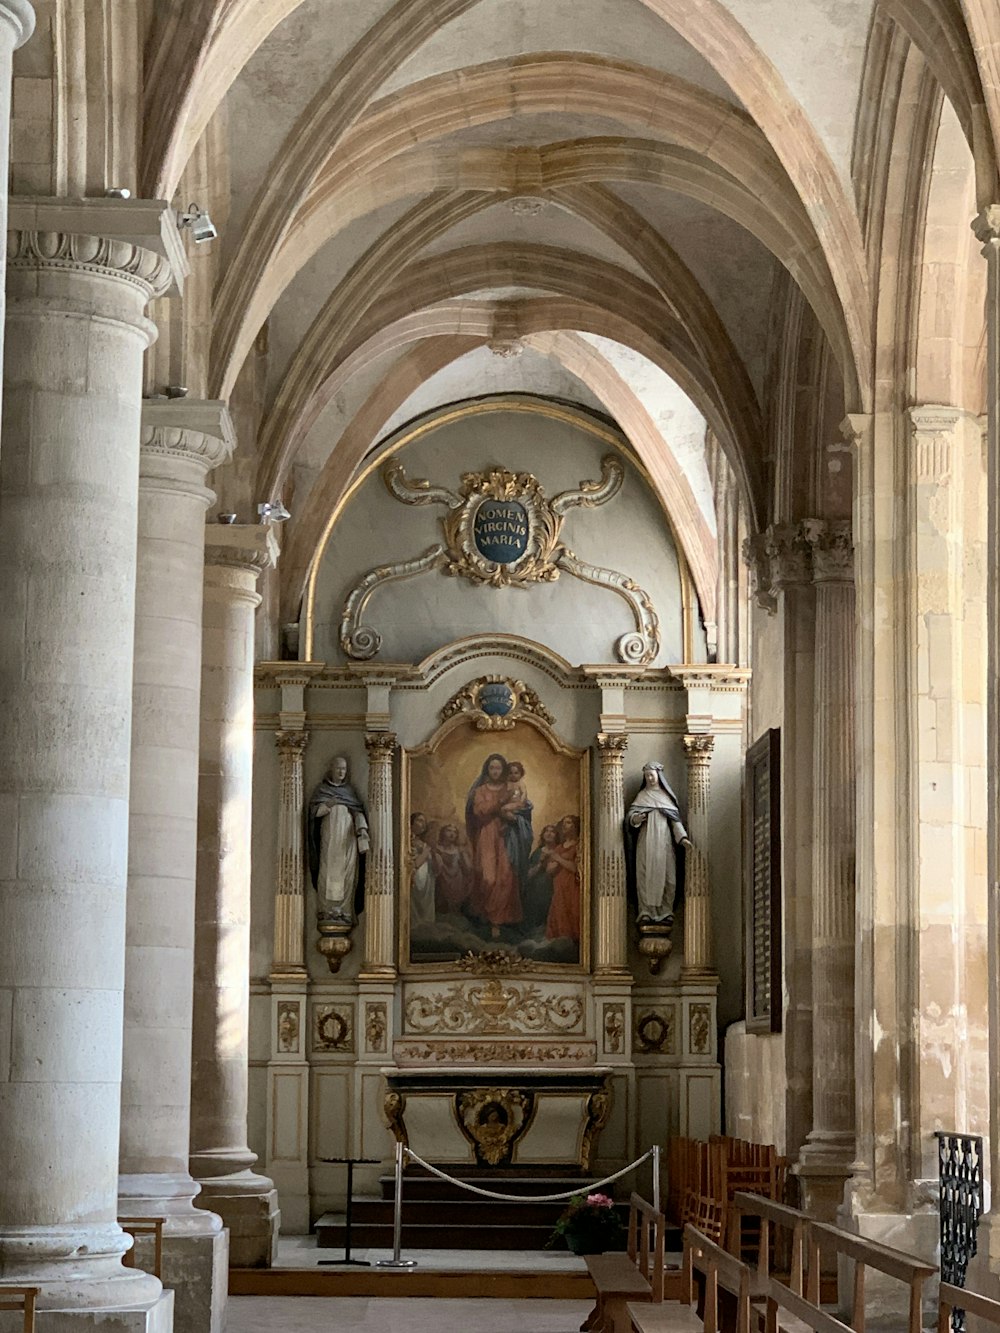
(496, 854)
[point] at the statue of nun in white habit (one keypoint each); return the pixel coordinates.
(654, 825)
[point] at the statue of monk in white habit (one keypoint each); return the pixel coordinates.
(338, 836)
(654, 822)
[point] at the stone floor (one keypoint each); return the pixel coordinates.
(308, 1314)
(301, 1252)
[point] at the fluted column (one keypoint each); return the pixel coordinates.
(220, 1158)
(289, 902)
(380, 939)
(829, 1150)
(181, 442)
(697, 893)
(69, 463)
(611, 952)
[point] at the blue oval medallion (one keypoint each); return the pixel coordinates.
(496, 699)
(500, 530)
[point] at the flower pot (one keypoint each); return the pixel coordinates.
(585, 1245)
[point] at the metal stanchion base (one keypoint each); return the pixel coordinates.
(395, 1263)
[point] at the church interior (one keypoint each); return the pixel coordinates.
(500, 662)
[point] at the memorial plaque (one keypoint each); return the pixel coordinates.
(763, 884)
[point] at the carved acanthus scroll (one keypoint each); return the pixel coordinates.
(501, 531)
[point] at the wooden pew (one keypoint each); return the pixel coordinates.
(722, 1273)
(789, 1310)
(867, 1254)
(951, 1298)
(21, 1300)
(771, 1217)
(636, 1275)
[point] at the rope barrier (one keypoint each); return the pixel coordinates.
(528, 1198)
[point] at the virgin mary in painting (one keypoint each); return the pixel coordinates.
(498, 822)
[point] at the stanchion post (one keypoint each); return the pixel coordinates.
(656, 1177)
(397, 1221)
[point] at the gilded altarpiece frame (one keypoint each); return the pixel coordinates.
(482, 875)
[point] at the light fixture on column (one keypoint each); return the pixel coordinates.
(117, 192)
(273, 513)
(202, 226)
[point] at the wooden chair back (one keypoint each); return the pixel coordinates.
(777, 1223)
(719, 1269)
(867, 1254)
(21, 1300)
(951, 1298)
(806, 1312)
(646, 1238)
(144, 1226)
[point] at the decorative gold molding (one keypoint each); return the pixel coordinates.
(495, 703)
(492, 1120)
(494, 1007)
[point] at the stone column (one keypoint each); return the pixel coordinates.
(380, 938)
(611, 957)
(69, 463)
(17, 23)
(289, 902)
(220, 1158)
(181, 442)
(986, 1266)
(697, 895)
(829, 1151)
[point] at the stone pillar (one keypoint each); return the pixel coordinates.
(69, 463)
(611, 957)
(380, 937)
(984, 1274)
(17, 23)
(697, 895)
(829, 1152)
(181, 442)
(289, 901)
(220, 1158)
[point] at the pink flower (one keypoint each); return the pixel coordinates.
(600, 1201)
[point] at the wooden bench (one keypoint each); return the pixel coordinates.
(790, 1310)
(636, 1275)
(865, 1254)
(722, 1272)
(21, 1300)
(771, 1217)
(952, 1298)
(144, 1226)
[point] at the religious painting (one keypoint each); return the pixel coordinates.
(495, 840)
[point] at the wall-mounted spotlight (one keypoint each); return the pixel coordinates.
(273, 513)
(202, 226)
(118, 192)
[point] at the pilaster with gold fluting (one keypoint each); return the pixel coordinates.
(379, 870)
(289, 901)
(697, 897)
(610, 951)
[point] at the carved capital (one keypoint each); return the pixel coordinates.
(291, 743)
(189, 430)
(381, 745)
(699, 748)
(252, 547)
(832, 545)
(987, 228)
(612, 743)
(777, 558)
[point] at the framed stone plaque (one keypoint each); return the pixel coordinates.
(762, 843)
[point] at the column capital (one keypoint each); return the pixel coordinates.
(249, 546)
(291, 742)
(813, 550)
(136, 240)
(698, 748)
(380, 744)
(21, 18)
(986, 226)
(832, 546)
(192, 429)
(612, 742)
